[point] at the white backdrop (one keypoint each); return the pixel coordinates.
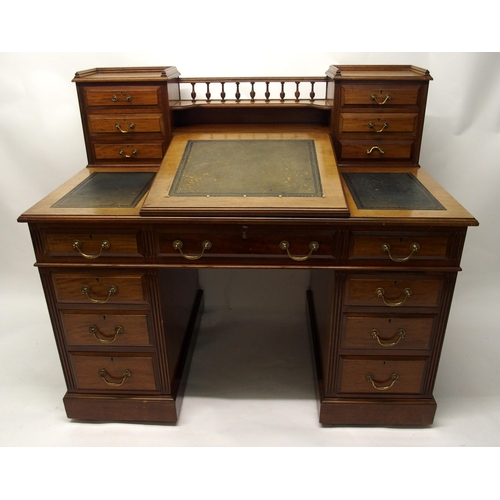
(41, 145)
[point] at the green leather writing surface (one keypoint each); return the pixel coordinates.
(248, 168)
(389, 191)
(108, 190)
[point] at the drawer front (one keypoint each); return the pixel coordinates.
(390, 291)
(387, 332)
(382, 123)
(91, 246)
(399, 248)
(125, 124)
(96, 288)
(122, 96)
(129, 151)
(379, 94)
(117, 373)
(376, 150)
(381, 376)
(294, 245)
(90, 329)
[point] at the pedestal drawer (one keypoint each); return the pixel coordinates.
(387, 332)
(379, 94)
(376, 149)
(382, 376)
(129, 151)
(394, 290)
(105, 329)
(100, 288)
(117, 373)
(381, 123)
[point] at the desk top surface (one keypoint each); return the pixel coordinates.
(186, 186)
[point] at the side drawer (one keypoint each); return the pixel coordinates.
(381, 376)
(91, 245)
(376, 150)
(387, 332)
(129, 151)
(122, 95)
(100, 288)
(113, 373)
(379, 94)
(382, 123)
(119, 124)
(393, 290)
(399, 247)
(105, 329)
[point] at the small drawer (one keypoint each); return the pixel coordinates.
(376, 150)
(379, 94)
(387, 332)
(398, 290)
(107, 329)
(97, 288)
(122, 96)
(381, 376)
(398, 247)
(91, 246)
(125, 124)
(129, 151)
(381, 123)
(116, 373)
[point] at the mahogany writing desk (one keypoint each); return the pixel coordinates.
(325, 179)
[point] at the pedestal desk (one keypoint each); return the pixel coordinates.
(183, 173)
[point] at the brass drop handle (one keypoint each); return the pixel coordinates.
(414, 248)
(394, 378)
(135, 152)
(103, 374)
(77, 245)
(313, 246)
(131, 126)
(128, 98)
(112, 290)
(400, 334)
(384, 126)
(108, 339)
(370, 151)
(205, 245)
(388, 97)
(380, 292)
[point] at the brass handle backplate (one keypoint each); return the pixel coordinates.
(128, 98)
(370, 151)
(384, 126)
(103, 374)
(313, 246)
(131, 126)
(380, 292)
(205, 245)
(112, 290)
(414, 248)
(400, 334)
(102, 337)
(387, 98)
(135, 152)
(77, 245)
(394, 378)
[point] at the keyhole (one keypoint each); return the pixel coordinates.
(90, 236)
